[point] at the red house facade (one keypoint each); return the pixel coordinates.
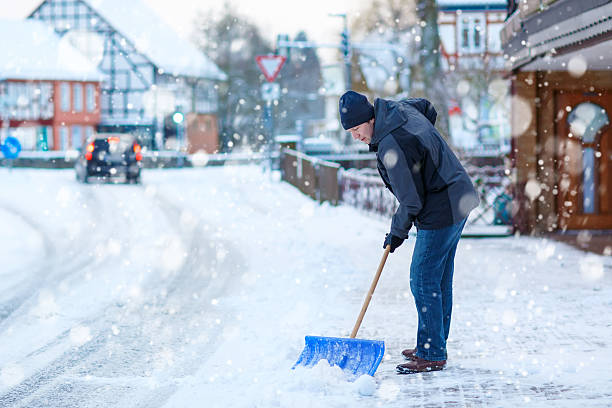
(49, 115)
(49, 94)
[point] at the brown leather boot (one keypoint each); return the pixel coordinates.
(409, 353)
(420, 365)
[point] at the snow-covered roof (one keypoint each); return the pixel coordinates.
(156, 39)
(31, 49)
(472, 4)
(333, 79)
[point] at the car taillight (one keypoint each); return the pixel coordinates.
(113, 139)
(89, 151)
(137, 150)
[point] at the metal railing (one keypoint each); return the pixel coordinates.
(363, 189)
(313, 177)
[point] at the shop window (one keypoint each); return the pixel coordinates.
(586, 121)
(49, 134)
(63, 133)
(77, 137)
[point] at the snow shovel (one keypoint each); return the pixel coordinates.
(352, 355)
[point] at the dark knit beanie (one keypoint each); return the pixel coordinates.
(354, 109)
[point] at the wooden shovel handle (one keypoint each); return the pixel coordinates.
(366, 302)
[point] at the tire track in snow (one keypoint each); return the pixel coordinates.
(55, 266)
(93, 358)
(58, 270)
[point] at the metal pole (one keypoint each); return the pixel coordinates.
(347, 55)
(269, 126)
(346, 48)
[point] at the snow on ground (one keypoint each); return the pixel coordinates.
(196, 289)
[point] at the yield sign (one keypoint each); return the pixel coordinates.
(270, 65)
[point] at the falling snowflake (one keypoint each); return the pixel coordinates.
(80, 335)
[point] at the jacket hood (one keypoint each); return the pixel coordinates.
(389, 115)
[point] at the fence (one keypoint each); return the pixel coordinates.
(313, 177)
(364, 189)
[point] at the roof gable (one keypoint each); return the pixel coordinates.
(36, 52)
(155, 39)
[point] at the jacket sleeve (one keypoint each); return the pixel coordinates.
(401, 170)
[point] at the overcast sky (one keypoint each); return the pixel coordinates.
(272, 16)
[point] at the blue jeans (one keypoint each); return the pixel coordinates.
(431, 282)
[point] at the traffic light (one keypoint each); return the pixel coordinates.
(345, 43)
(178, 117)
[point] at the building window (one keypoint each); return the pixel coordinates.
(65, 97)
(471, 31)
(585, 122)
(91, 98)
(77, 90)
(465, 34)
(46, 100)
(77, 137)
(477, 33)
(63, 133)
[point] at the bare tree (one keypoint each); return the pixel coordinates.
(385, 71)
(415, 68)
(480, 84)
(233, 42)
(430, 72)
(301, 80)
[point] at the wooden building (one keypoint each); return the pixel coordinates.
(560, 59)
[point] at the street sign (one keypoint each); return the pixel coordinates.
(270, 65)
(11, 147)
(270, 91)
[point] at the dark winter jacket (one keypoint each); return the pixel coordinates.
(419, 168)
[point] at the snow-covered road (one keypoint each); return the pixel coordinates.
(196, 289)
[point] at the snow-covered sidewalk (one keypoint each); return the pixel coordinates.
(530, 327)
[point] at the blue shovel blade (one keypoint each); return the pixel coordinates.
(353, 356)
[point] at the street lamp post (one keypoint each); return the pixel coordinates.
(179, 119)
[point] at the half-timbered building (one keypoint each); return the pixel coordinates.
(150, 72)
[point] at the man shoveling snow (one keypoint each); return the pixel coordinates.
(434, 192)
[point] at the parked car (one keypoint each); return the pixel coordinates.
(110, 157)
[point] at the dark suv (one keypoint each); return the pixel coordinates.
(110, 157)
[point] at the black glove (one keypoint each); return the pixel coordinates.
(393, 240)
